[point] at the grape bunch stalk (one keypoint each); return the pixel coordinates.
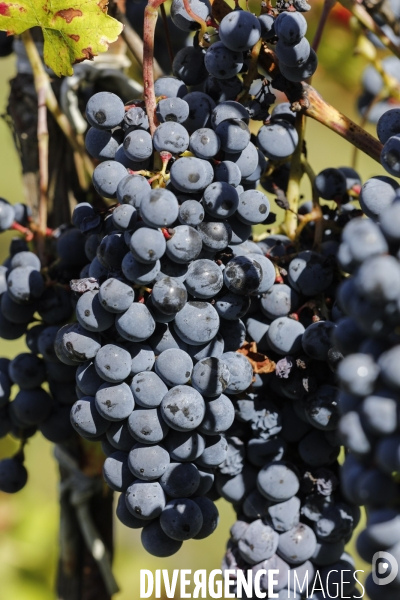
(187, 358)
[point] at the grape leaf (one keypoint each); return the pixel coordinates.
(73, 30)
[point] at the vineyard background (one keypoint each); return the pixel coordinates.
(29, 520)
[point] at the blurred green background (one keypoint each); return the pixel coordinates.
(29, 520)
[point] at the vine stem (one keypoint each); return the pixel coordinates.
(40, 81)
(327, 115)
(368, 22)
(135, 45)
(296, 172)
(52, 103)
(43, 146)
(326, 9)
(149, 27)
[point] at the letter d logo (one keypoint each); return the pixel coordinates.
(381, 562)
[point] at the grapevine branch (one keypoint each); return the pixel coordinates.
(328, 115)
(81, 489)
(305, 98)
(40, 82)
(52, 103)
(43, 146)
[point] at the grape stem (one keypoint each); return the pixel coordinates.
(392, 85)
(135, 45)
(149, 27)
(24, 230)
(363, 122)
(200, 21)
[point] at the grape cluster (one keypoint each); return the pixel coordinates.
(368, 374)
(34, 303)
(217, 67)
(160, 304)
(202, 361)
(166, 286)
(282, 472)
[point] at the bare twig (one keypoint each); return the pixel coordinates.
(80, 487)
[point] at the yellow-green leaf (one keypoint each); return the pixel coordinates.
(73, 30)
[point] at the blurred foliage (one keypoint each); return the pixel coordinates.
(29, 520)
